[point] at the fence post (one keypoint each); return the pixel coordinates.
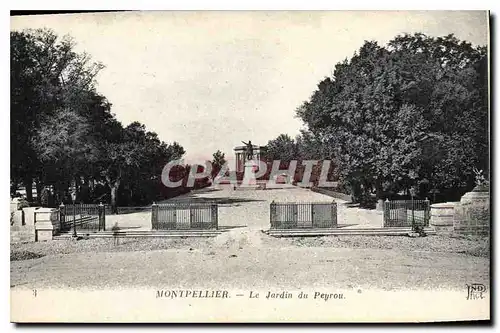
(334, 214)
(62, 216)
(191, 216)
(312, 215)
(427, 212)
(272, 208)
(215, 216)
(102, 216)
(386, 212)
(154, 216)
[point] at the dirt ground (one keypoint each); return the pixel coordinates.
(244, 257)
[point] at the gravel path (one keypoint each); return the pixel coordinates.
(237, 266)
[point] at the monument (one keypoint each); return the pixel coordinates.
(247, 161)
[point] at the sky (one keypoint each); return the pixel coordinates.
(209, 80)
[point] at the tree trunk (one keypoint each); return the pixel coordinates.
(28, 185)
(355, 191)
(78, 188)
(114, 192)
(114, 185)
(91, 185)
(379, 194)
(39, 189)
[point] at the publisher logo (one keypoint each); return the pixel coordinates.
(475, 291)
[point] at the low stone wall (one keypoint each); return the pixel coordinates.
(31, 224)
(472, 214)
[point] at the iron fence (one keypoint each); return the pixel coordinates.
(303, 215)
(82, 217)
(407, 213)
(184, 216)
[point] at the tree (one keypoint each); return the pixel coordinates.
(413, 113)
(46, 75)
(218, 162)
(64, 145)
(282, 148)
(137, 157)
(64, 132)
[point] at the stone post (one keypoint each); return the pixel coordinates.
(62, 216)
(386, 211)
(102, 217)
(154, 216)
(46, 223)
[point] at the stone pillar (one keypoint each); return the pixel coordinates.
(46, 223)
(29, 215)
(18, 204)
(241, 162)
(442, 217)
(19, 231)
(16, 211)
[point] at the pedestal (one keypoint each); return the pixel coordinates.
(249, 180)
(46, 224)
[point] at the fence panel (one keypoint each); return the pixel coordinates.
(184, 216)
(324, 215)
(85, 217)
(303, 215)
(406, 213)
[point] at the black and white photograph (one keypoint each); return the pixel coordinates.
(250, 166)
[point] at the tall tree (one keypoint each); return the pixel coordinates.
(413, 113)
(44, 74)
(218, 161)
(282, 148)
(63, 131)
(65, 146)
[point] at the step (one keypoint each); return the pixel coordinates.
(146, 233)
(328, 232)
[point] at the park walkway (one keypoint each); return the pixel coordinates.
(250, 208)
(241, 211)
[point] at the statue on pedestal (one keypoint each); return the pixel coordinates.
(249, 150)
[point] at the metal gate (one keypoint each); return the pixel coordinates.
(407, 213)
(184, 216)
(303, 215)
(83, 217)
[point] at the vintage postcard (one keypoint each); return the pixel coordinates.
(250, 166)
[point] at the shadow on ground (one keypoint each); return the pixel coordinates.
(227, 227)
(221, 201)
(206, 190)
(346, 225)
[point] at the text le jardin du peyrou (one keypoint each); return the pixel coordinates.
(173, 294)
